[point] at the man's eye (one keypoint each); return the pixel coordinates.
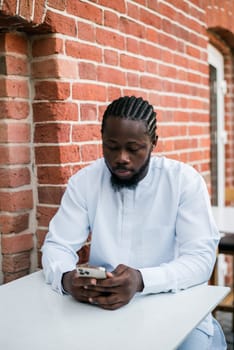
(111, 147)
(134, 149)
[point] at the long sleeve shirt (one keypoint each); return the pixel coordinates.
(164, 227)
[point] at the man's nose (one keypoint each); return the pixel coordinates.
(123, 156)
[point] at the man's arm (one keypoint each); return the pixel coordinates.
(68, 231)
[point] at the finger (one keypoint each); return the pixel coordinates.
(107, 299)
(120, 269)
(84, 295)
(83, 281)
(108, 303)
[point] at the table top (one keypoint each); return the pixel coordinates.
(35, 317)
(224, 218)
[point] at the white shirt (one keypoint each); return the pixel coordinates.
(164, 227)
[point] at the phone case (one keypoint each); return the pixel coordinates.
(95, 272)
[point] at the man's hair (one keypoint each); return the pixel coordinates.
(133, 108)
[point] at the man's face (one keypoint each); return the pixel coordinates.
(126, 149)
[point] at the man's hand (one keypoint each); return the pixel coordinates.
(111, 293)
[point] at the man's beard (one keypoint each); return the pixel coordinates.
(131, 183)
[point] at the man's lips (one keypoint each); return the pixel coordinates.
(122, 172)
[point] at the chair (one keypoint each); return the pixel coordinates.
(226, 246)
(229, 195)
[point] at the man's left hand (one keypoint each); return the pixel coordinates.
(116, 290)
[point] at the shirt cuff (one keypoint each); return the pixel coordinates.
(156, 280)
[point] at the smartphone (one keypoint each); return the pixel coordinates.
(95, 272)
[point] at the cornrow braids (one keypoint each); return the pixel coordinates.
(133, 108)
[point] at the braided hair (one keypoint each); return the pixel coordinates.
(133, 108)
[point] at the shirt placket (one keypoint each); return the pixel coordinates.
(126, 229)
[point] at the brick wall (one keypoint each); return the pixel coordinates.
(61, 62)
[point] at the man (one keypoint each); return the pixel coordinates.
(150, 219)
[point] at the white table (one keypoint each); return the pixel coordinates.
(224, 218)
(33, 317)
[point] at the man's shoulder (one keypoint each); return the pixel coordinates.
(172, 165)
(91, 169)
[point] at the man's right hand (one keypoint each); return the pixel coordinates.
(78, 286)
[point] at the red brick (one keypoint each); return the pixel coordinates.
(45, 214)
(148, 50)
(52, 111)
(14, 133)
(58, 4)
(111, 19)
(133, 11)
(39, 11)
(83, 254)
(9, 7)
(14, 177)
(8, 277)
(113, 93)
(130, 27)
(47, 46)
(13, 223)
(16, 65)
(197, 130)
(199, 117)
(92, 92)
(167, 71)
(111, 57)
(170, 101)
(150, 18)
(52, 133)
(87, 71)
(83, 51)
(89, 152)
(77, 167)
(26, 9)
(153, 5)
(138, 93)
(55, 175)
(110, 75)
(167, 11)
(88, 112)
(172, 130)
(50, 194)
(119, 6)
(102, 108)
(151, 67)
(15, 263)
(133, 79)
(149, 82)
(86, 31)
(186, 144)
(16, 43)
(132, 63)
(55, 68)
(89, 132)
(205, 142)
(60, 23)
(108, 38)
(52, 90)
(17, 243)
(133, 45)
(16, 201)
(152, 35)
(57, 154)
(84, 10)
(14, 88)
(14, 109)
(40, 237)
(14, 155)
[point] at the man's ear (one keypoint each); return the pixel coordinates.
(155, 141)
